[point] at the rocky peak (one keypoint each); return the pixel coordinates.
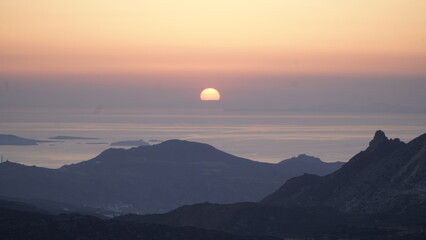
(390, 174)
(379, 139)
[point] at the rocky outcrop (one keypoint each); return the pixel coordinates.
(389, 174)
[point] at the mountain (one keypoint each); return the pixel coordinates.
(378, 194)
(152, 179)
(132, 143)
(20, 206)
(28, 225)
(389, 174)
(309, 164)
(8, 139)
(51, 207)
(245, 219)
(252, 219)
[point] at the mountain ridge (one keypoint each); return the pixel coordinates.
(19, 224)
(152, 179)
(378, 194)
(377, 179)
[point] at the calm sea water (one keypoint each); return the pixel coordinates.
(268, 137)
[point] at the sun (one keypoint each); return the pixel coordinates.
(210, 94)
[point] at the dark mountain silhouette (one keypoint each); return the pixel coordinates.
(8, 139)
(20, 206)
(153, 179)
(389, 174)
(50, 207)
(309, 164)
(246, 218)
(292, 223)
(304, 207)
(28, 225)
(132, 143)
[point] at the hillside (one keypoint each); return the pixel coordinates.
(388, 175)
(151, 179)
(25, 225)
(378, 194)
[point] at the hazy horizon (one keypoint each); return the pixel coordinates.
(270, 137)
(306, 94)
(302, 77)
(262, 56)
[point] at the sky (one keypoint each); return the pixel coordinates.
(259, 54)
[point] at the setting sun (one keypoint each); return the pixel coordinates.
(210, 94)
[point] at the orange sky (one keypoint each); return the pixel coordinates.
(213, 37)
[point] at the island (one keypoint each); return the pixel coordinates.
(132, 143)
(72, 138)
(9, 139)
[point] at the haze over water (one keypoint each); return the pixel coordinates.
(268, 137)
(294, 76)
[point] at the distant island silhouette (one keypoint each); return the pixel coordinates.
(73, 138)
(9, 139)
(131, 143)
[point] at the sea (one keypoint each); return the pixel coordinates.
(260, 136)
